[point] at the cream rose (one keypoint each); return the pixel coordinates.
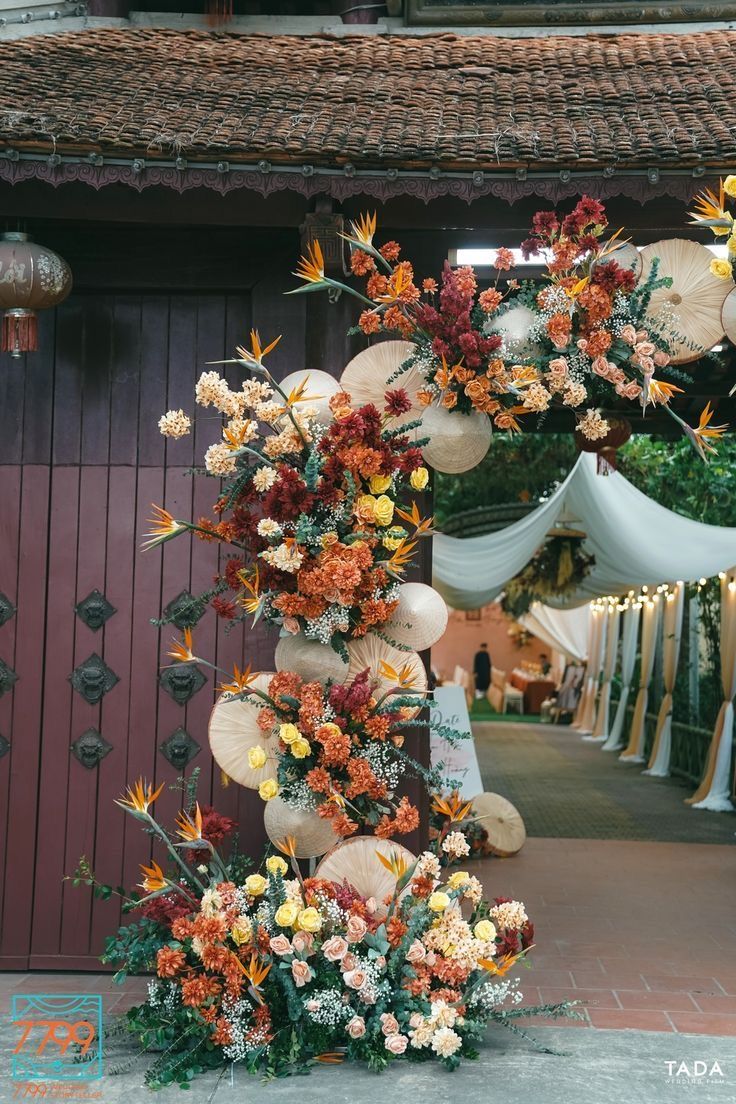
(356, 1027)
(396, 1044)
(438, 902)
(485, 931)
(416, 952)
(384, 510)
(355, 929)
(355, 979)
(286, 914)
(255, 885)
(301, 972)
(419, 479)
(300, 748)
(289, 733)
(280, 945)
(309, 920)
(256, 757)
(335, 948)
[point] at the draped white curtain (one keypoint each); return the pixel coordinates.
(565, 630)
(659, 759)
(634, 752)
(714, 791)
(635, 541)
(585, 716)
(629, 639)
(600, 729)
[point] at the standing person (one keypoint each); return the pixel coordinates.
(482, 671)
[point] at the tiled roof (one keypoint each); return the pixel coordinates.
(453, 101)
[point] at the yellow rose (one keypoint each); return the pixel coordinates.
(276, 865)
(328, 539)
(289, 733)
(286, 914)
(256, 757)
(438, 902)
(384, 510)
(419, 479)
(720, 268)
(365, 509)
(379, 483)
(731, 244)
(458, 879)
(485, 931)
(729, 186)
(255, 885)
(241, 931)
(268, 789)
(309, 920)
(300, 748)
(392, 538)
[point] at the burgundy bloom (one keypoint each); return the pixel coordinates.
(397, 402)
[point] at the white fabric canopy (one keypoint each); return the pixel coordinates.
(635, 541)
(565, 630)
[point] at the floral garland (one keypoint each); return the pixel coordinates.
(279, 971)
(311, 511)
(556, 570)
(582, 340)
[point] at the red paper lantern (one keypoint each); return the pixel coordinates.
(31, 277)
(606, 447)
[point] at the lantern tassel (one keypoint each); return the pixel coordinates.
(19, 332)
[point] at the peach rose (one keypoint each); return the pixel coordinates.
(389, 1024)
(303, 942)
(355, 979)
(660, 358)
(628, 334)
(558, 366)
(396, 1044)
(349, 962)
(291, 625)
(356, 1027)
(301, 972)
(644, 349)
(334, 949)
(631, 390)
(355, 929)
(416, 952)
(280, 945)
(600, 366)
(449, 400)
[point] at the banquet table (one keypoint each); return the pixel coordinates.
(534, 689)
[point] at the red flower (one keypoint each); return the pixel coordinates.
(397, 402)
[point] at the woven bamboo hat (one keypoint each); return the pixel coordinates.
(355, 861)
(503, 823)
(420, 618)
(313, 834)
(457, 442)
(695, 299)
(233, 729)
(319, 388)
(370, 651)
(366, 377)
(312, 661)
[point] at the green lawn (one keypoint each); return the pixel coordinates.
(482, 710)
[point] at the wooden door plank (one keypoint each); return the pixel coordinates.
(10, 494)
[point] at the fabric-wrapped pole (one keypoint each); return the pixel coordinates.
(714, 791)
(600, 729)
(674, 607)
(585, 719)
(629, 638)
(634, 752)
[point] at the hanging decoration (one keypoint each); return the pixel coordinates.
(606, 448)
(32, 278)
(604, 329)
(555, 571)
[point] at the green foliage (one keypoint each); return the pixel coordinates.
(134, 948)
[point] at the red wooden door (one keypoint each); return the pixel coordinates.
(80, 463)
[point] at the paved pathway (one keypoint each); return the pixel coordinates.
(567, 787)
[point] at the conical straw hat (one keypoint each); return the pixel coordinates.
(354, 861)
(320, 386)
(313, 834)
(370, 650)
(312, 661)
(695, 298)
(502, 822)
(234, 728)
(514, 326)
(626, 255)
(420, 618)
(365, 378)
(457, 442)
